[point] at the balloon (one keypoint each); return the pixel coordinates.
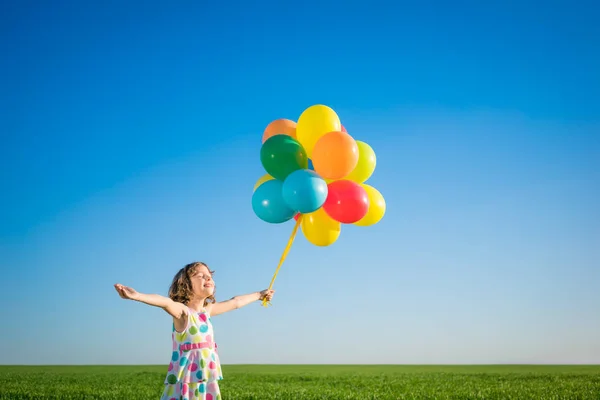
(313, 123)
(377, 207)
(262, 180)
(281, 155)
(280, 127)
(335, 155)
(310, 164)
(268, 203)
(304, 191)
(365, 165)
(347, 202)
(297, 216)
(319, 229)
(344, 129)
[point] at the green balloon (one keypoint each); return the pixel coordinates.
(281, 155)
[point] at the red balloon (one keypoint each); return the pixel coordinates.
(344, 129)
(347, 202)
(296, 216)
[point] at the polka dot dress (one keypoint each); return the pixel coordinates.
(195, 369)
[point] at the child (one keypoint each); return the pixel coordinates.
(195, 368)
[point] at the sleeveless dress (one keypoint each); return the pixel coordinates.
(195, 368)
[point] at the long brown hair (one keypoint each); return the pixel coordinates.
(181, 287)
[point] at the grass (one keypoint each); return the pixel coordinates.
(311, 382)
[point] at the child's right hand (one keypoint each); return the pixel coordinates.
(126, 292)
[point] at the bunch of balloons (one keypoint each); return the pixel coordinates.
(316, 173)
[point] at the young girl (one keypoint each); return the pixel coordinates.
(195, 368)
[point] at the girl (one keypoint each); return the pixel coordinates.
(195, 368)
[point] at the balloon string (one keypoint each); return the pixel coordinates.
(265, 303)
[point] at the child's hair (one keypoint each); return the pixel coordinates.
(181, 287)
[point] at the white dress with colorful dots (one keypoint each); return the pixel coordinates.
(195, 368)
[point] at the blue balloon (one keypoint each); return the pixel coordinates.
(304, 191)
(268, 203)
(310, 165)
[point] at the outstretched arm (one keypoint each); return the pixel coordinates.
(175, 309)
(238, 302)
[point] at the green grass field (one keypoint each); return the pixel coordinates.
(244, 382)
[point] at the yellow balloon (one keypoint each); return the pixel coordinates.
(313, 123)
(319, 229)
(376, 207)
(262, 180)
(366, 163)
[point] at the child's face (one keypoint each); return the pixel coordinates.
(202, 282)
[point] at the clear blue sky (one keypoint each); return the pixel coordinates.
(130, 146)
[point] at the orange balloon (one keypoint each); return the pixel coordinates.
(278, 127)
(335, 155)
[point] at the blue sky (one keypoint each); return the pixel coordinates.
(130, 146)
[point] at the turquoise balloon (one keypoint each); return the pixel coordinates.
(304, 191)
(268, 203)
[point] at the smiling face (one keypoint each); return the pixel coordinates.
(202, 283)
(193, 281)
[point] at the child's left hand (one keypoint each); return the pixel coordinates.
(267, 294)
